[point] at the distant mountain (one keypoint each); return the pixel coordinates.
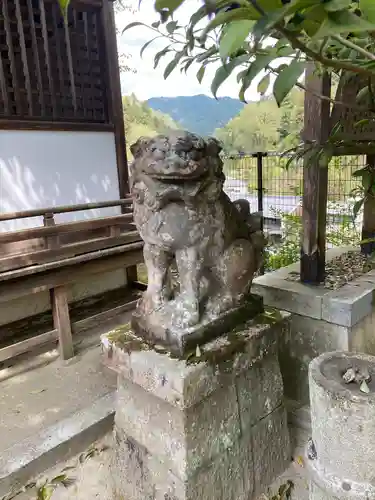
(198, 113)
(141, 120)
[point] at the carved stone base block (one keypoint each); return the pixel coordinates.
(209, 427)
(158, 327)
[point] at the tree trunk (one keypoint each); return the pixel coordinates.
(315, 180)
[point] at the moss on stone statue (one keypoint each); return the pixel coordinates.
(234, 342)
(217, 352)
(123, 338)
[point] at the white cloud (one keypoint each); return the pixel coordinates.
(148, 82)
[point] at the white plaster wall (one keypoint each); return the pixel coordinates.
(42, 169)
(48, 168)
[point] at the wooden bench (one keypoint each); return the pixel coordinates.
(56, 255)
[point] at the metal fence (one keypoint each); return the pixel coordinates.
(276, 191)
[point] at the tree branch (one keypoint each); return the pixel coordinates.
(326, 98)
(317, 56)
(330, 63)
(353, 46)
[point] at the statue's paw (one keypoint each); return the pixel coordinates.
(185, 314)
(219, 304)
(150, 302)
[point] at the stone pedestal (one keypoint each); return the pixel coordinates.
(211, 426)
(341, 455)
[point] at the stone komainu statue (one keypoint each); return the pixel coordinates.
(184, 217)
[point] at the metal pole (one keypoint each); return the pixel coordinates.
(259, 157)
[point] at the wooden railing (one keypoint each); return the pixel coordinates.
(55, 255)
(40, 212)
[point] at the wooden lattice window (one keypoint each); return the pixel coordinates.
(49, 69)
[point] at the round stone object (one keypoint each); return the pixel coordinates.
(341, 453)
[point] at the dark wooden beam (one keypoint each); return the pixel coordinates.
(47, 56)
(41, 124)
(315, 179)
(70, 67)
(116, 113)
(12, 59)
(36, 60)
(114, 95)
(26, 72)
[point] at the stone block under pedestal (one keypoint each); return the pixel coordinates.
(322, 320)
(209, 427)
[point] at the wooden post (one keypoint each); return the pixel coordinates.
(59, 303)
(368, 227)
(315, 180)
(115, 108)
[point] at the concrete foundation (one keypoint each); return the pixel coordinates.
(322, 321)
(341, 455)
(210, 426)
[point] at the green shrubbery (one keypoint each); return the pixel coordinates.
(343, 234)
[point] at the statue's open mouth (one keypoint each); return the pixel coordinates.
(178, 172)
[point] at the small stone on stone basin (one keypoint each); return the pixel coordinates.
(349, 371)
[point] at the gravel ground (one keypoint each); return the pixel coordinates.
(85, 477)
(88, 477)
(343, 269)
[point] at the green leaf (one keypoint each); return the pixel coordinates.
(341, 22)
(64, 4)
(286, 80)
(359, 173)
(264, 84)
(171, 26)
(156, 24)
(255, 68)
(234, 37)
(197, 16)
(224, 71)
(267, 22)
(357, 206)
(200, 73)
(187, 65)
(363, 95)
(284, 50)
(316, 16)
(58, 479)
(368, 9)
(334, 5)
(167, 5)
(336, 129)
(205, 55)
(360, 123)
(133, 25)
(45, 492)
(240, 14)
(241, 75)
(325, 156)
(161, 54)
(147, 44)
(366, 180)
(172, 64)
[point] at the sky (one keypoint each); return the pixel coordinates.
(149, 82)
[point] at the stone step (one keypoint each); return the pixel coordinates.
(27, 459)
